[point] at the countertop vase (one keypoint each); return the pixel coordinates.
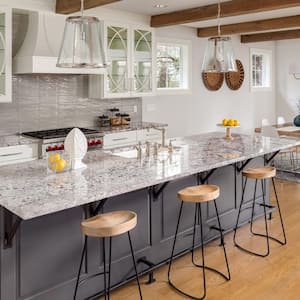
(297, 121)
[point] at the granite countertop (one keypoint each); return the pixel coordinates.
(130, 127)
(16, 139)
(28, 191)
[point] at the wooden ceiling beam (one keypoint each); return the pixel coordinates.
(71, 6)
(260, 25)
(228, 8)
(271, 36)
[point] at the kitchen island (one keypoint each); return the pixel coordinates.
(41, 213)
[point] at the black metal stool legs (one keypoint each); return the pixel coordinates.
(104, 266)
(134, 264)
(80, 266)
(280, 216)
(198, 216)
(267, 236)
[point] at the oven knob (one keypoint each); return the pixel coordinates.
(99, 142)
(56, 147)
(94, 143)
(49, 148)
(61, 147)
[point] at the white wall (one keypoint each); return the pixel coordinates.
(288, 88)
(200, 111)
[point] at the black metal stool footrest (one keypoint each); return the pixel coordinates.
(251, 252)
(82, 281)
(266, 205)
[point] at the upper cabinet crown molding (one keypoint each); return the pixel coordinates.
(228, 8)
(71, 6)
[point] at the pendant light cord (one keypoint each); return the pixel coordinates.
(82, 7)
(219, 18)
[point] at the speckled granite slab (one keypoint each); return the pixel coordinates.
(15, 139)
(28, 191)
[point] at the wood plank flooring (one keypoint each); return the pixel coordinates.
(276, 277)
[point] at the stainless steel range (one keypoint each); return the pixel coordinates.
(53, 139)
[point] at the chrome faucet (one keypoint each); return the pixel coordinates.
(148, 148)
(138, 147)
(163, 135)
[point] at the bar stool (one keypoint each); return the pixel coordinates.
(106, 226)
(198, 194)
(260, 173)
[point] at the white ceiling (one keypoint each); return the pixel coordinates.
(146, 7)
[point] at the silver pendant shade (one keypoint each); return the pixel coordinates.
(219, 55)
(81, 45)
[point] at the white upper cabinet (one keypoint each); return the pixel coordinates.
(130, 62)
(5, 54)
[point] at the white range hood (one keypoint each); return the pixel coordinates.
(39, 51)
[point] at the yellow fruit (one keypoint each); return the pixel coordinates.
(224, 122)
(53, 158)
(230, 123)
(235, 122)
(59, 165)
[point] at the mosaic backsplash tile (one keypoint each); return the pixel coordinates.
(52, 101)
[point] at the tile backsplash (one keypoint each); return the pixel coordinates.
(53, 101)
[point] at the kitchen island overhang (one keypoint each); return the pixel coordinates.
(50, 208)
(28, 191)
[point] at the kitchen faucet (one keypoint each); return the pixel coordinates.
(163, 135)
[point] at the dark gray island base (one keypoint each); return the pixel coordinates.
(41, 262)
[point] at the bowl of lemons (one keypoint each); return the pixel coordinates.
(228, 124)
(58, 162)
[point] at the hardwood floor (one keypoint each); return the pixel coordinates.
(253, 278)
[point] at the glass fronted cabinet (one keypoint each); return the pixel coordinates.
(142, 60)
(5, 54)
(130, 60)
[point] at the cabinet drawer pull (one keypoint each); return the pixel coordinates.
(10, 154)
(120, 139)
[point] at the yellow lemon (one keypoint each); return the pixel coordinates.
(230, 122)
(235, 122)
(59, 165)
(54, 157)
(224, 122)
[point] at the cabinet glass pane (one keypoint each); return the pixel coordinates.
(2, 54)
(117, 75)
(142, 61)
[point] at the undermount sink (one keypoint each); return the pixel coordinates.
(163, 153)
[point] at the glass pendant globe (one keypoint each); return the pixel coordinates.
(219, 56)
(81, 46)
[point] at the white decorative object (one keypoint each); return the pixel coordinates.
(76, 147)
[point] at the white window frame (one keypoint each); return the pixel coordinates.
(269, 67)
(187, 66)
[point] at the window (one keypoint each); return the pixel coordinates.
(173, 66)
(261, 69)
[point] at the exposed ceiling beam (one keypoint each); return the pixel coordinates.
(228, 8)
(271, 36)
(71, 6)
(261, 25)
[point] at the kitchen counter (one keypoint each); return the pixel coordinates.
(15, 139)
(29, 192)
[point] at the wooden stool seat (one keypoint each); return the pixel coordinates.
(199, 193)
(260, 172)
(109, 224)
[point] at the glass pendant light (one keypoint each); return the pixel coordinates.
(81, 45)
(219, 56)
